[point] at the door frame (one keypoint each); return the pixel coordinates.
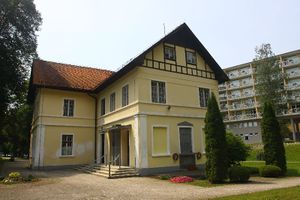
(192, 137)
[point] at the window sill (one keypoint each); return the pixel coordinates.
(161, 155)
(66, 156)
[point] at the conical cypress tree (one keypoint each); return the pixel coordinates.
(272, 139)
(215, 140)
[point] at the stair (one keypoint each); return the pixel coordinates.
(102, 170)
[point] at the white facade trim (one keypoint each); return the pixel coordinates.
(143, 141)
(73, 142)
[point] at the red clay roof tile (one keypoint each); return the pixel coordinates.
(65, 76)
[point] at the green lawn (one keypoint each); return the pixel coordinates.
(292, 151)
(282, 194)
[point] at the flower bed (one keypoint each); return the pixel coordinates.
(181, 179)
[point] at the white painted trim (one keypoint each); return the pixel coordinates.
(209, 91)
(42, 143)
(157, 103)
(136, 140)
(143, 135)
(73, 146)
(62, 109)
(202, 134)
(63, 125)
(192, 136)
(168, 140)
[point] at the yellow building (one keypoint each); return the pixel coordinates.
(144, 116)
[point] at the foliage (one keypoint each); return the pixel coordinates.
(215, 139)
(236, 148)
(253, 170)
(260, 155)
(181, 179)
(238, 174)
(274, 152)
(282, 194)
(270, 171)
(165, 177)
(19, 20)
(16, 177)
(269, 76)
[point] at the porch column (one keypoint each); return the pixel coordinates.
(140, 139)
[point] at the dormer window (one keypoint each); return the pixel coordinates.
(170, 53)
(190, 57)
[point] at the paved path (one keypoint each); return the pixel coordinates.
(70, 184)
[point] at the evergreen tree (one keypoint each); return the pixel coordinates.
(215, 139)
(274, 151)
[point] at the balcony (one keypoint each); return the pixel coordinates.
(242, 117)
(223, 98)
(294, 74)
(293, 86)
(222, 87)
(290, 62)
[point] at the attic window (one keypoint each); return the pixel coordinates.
(190, 57)
(170, 53)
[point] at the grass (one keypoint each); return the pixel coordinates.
(282, 194)
(291, 151)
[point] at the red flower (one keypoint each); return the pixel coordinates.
(181, 179)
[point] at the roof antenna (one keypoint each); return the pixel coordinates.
(164, 28)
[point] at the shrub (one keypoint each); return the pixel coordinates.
(238, 174)
(253, 170)
(181, 179)
(28, 178)
(15, 176)
(270, 171)
(164, 177)
(237, 149)
(260, 155)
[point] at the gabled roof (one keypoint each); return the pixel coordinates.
(64, 76)
(181, 36)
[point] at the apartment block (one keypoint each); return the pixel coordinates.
(240, 105)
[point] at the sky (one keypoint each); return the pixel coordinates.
(106, 34)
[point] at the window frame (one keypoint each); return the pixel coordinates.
(157, 92)
(112, 105)
(199, 96)
(186, 57)
(61, 141)
(102, 111)
(173, 49)
(168, 153)
(125, 101)
(68, 111)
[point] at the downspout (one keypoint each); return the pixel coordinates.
(95, 128)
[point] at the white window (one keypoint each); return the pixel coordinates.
(250, 124)
(112, 102)
(67, 145)
(245, 124)
(125, 95)
(170, 53)
(190, 57)
(203, 96)
(255, 124)
(68, 107)
(158, 90)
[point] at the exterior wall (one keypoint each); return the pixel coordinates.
(174, 142)
(49, 124)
